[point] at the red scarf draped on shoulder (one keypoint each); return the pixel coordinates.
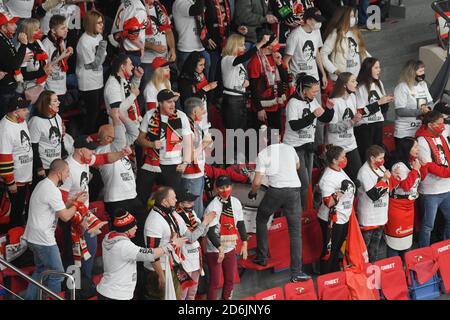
(228, 231)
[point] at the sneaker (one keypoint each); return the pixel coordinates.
(260, 262)
(300, 277)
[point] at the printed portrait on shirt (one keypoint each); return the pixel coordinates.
(84, 181)
(126, 163)
(352, 47)
(348, 114)
(373, 96)
(442, 154)
(306, 112)
(242, 78)
(25, 141)
(54, 136)
(348, 188)
(308, 50)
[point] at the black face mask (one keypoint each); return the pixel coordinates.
(420, 78)
(60, 183)
(447, 120)
(348, 91)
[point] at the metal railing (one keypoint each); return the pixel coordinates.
(30, 280)
(437, 6)
(47, 273)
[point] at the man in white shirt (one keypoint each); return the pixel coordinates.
(279, 162)
(46, 206)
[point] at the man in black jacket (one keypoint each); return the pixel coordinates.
(11, 58)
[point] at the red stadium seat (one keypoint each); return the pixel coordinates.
(311, 237)
(393, 280)
(279, 243)
(388, 137)
(15, 283)
(271, 294)
(421, 263)
(300, 291)
(441, 251)
(332, 286)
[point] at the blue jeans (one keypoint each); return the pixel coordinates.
(362, 12)
(196, 186)
(182, 57)
(430, 205)
(87, 266)
(395, 253)
(45, 258)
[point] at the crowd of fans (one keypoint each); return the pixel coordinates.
(117, 100)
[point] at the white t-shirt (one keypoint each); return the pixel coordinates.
(154, 37)
(120, 272)
(298, 109)
(304, 48)
(47, 132)
(70, 11)
(88, 79)
(337, 181)
(151, 93)
(344, 110)
(191, 251)
(56, 81)
(279, 163)
(432, 184)
(118, 178)
(130, 9)
(188, 35)
(115, 92)
(176, 155)
(233, 77)
(410, 99)
(216, 206)
(364, 98)
(413, 193)
(78, 181)
(15, 140)
(68, 144)
(200, 159)
(46, 200)
(20, 8)
(352, 54)
(371, 213)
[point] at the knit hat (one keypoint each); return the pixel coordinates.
(123, 221)
(223, 181)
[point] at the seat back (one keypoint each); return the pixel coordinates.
(300, 291)
(422, 263)
(311, 237)
(393, 280)
(332, 286)
(279, 243)
(441, 252)
(270, 294)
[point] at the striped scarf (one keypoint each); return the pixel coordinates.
(228, 231)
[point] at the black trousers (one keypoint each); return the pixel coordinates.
(367, 135)
(353, 164)
(18, 206)
(137, 209)
(338, 235)
(169, 176)
(234, 112)
(92, 100)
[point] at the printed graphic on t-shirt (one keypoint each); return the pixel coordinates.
(54, 135)
(352, 58)
(442, 155)
(126, 176)
(57, 73)
(25, 141)
(348, 115)
(381, 202)
(306, 133)
(348, 188)
(308, 54)
(84, 181)
(374, 97)
(242, 78)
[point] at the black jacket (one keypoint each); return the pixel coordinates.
(11, 60)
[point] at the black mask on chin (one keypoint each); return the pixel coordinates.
(447, 120)
(420, 78)
(348, 91)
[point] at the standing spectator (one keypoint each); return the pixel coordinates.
(19, 8)
(400, 226)
(268, 80)
(159, 80)
(222, 237)
(163, 225)
(344, 48)
(434, 152)
(373, 193)
(338, 194)
(189, 21)
(12, 58)
(91, 53)
(16, 157)
(46, 133)
(340, 129)
(253, 14)
(279, 162)
(165, 135)
(46, 206)
(302, 111)
(120, 92)
(70, 11)
(120, 256)
(373, 104)
(412, 99)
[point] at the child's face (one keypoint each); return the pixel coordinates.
(61, 31)
(99, 26)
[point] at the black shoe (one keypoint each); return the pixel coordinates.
(260, 262)
(300, 277)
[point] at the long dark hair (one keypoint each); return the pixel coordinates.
(339, 86)
(365, 74)
(401, 153)
(189, 66)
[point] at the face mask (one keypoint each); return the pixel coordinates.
(317, 26)
(60, 182)
(276, 47)
(349, 91)
(343, 163)
(241, 52)
(167, 76)
(19, 119)
(38, 35)
(378, 164)
(226, 193)
(85, 160)
(439, 128)
(420, 78)
(352, 22)
(52, 111)
(412, 158)
(447, 120)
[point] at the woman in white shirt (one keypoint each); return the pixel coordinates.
(338, 193)
(344, 47)
(91, 53)
(159, 80)
(340, 129)
(412, 99)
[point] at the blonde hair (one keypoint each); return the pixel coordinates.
(90, 21)
(408, 73)
(159, 80)
(28, 27)
(233, 42)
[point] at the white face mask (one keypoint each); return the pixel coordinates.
(317, 26)
(352, 22)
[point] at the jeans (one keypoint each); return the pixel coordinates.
(430, 205)
(362, 12)
(289, 199)
(45, 258)
(306, 165)
(151, 286)
(372, 238)
(338, 235)
(196, 186)
(228, 267)
(182, 57)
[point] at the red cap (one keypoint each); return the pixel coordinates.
(6, 17)
(159, 62)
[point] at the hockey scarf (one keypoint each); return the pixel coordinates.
(332, 219)
(271, 73)
(435, 154)
(162, 20)
(201, 28)
(134, 112)
(228, 231)
(193, 167)
(40, 56)
(61, 47)
(221, 19)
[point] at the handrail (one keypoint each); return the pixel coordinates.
(29, 279)
(46, 273)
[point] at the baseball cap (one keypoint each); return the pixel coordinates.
(165, 94)
(223, 181)
(313, 13)
(159, 62)
(442, 107)
(187, 196)
(6, 17)
(17, 102)
(82, 142)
